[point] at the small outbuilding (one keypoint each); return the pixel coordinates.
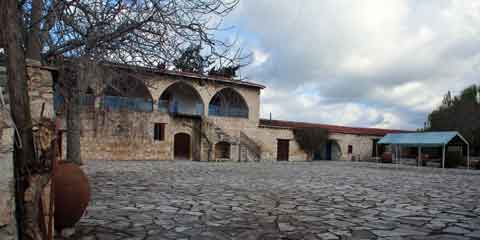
(440, 140)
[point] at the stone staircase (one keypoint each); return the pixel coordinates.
(249, 149)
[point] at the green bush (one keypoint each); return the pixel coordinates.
(476, 165)
(453, 159)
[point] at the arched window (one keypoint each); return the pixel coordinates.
(127, 93)
(228, 103)
(222, 150)
(181, 98)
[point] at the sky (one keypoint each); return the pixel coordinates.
(368, 63)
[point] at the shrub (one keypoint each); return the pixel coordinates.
(310, 139)
(453, 159)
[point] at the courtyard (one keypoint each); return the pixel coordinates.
(305, 200)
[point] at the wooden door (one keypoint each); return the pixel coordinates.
(181, 146)
(283, 148)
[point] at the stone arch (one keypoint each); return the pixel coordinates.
(222, 150)
(330, 151)
(228, 102)
(181, 97)
(127, 86)
(127, 92)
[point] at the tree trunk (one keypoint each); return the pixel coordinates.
(27, 190)
(73, 118)
(17, 85)
(34, 45)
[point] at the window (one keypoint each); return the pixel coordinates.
(350, 149)
(159, 132)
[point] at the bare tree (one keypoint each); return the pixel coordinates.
(148, 33)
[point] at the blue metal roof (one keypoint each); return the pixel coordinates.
(420, 138)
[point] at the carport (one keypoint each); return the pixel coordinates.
(425, 139)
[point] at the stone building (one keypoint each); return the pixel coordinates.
(133, 113)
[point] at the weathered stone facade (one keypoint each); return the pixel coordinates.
(129, 135)
(7, 191)
(362, 146)
(40, 83)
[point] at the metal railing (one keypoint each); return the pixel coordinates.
(174, 107)
(214, 110)
(124, 103)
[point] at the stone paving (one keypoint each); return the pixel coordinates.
(319, 200)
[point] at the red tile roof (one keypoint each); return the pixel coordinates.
(330, 128)
(186, 75)
(213, 78)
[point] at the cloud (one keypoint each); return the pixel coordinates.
(368, 63)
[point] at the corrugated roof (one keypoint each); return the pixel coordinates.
(331, 128)
(420, 138)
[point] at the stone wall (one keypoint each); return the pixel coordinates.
(40, 84)
(362, 145)
(207, 89)
(130, 136)
(7, 191)
(40, 87)
(126, 135)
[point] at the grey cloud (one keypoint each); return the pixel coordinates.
(348, 49)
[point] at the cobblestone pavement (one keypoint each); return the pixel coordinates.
(320, 200)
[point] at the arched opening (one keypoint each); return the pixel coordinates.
(127, 92)
(228, 103)
(330, 151)
(181, 146)
(222, 150)
(182, 99)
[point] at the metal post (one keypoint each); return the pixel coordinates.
(396, 156)
(443, 156)
(399, 154)
(419, 161)
(468, 156)
(376, 152)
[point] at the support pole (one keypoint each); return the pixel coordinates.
(468, 156)
(396, 156)
(419, 161)
(376, 152)
(399, 154)
(443, 156)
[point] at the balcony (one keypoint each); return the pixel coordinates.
(176, 108)
(227, 112)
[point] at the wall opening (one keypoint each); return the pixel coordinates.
(126, 93)
(222, 150)
(330, 151)
(159, 132)
(228, 103)
(283, 149)
(181, 98)
(181, 146)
